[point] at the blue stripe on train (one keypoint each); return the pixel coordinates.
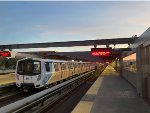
(46, 78)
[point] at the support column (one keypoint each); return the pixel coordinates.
(139, 70)
(116, 65)
(141, 76)
(120, 66)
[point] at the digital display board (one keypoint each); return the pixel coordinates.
(5, 53)
(101, 51)
(107, 62)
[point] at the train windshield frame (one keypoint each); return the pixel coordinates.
(29, 67)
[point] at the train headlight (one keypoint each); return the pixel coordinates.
(39, 77)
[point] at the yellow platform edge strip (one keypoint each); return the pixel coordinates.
(85, 106)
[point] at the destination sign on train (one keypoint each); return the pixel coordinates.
(5, 54)
(101, 51)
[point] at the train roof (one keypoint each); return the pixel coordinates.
(51, 60)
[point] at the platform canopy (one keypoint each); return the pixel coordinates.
(82, 55)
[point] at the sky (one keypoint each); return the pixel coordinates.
(131, 57)
(57, 21)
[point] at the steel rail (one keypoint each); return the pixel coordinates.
(11, 95)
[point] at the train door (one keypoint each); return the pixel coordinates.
(67, 71)
(20, 74)
(57, 71)
(76, 68)
(71, 69)
(28, 67)
(79, 68)
(48, 72)
(63, 70)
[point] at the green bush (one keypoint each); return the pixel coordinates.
(8, 63)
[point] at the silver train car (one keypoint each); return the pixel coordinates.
(38, 73)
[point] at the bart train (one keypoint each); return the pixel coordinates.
(38, 73)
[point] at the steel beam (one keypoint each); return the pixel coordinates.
(70, 43)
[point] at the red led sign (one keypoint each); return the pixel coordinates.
(101, 51)
(107, 62)
(5, 54)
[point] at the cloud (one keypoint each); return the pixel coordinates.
(78, 33)
(144, 21)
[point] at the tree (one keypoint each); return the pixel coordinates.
(3, 61)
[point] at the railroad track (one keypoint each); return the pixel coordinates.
(6, 90)
(10, 98)
(10, 93)
(13, 97)
(48, 97)
(52, 94)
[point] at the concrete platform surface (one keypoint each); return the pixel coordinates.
(112, 94)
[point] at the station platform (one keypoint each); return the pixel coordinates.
(7, 71)
(111, 94)
(7, 78)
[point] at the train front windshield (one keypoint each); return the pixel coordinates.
(29, 67)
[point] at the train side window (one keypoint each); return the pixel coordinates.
(79, 65)
(83, 65)
(37, 67)
(63, 66)
(47, 67)
(56, 67)
(70, 66)
(75, 65)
